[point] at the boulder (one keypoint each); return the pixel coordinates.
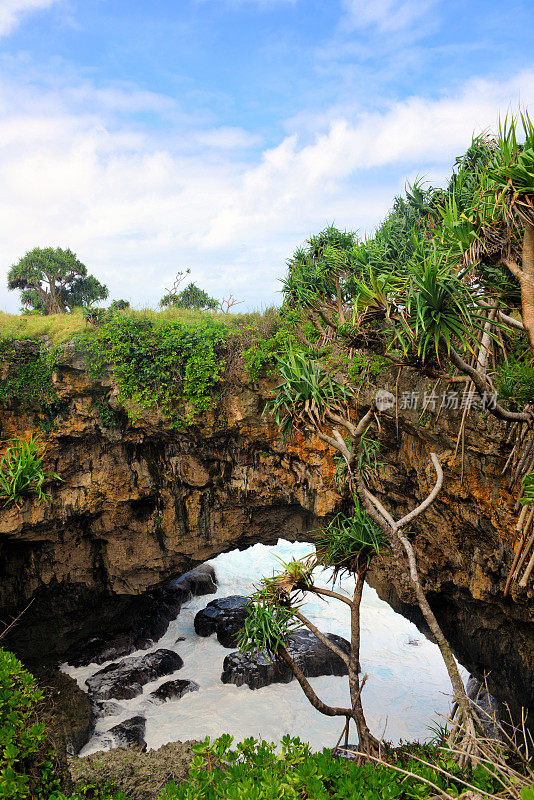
(198, 581)
(173, 690)
(126, 679)
(130, 732)
(312, 656)
(225, 617)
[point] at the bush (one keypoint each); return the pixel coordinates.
(254, 770)
(27, 376)
(22, 473)
(26, 762)
(160, 363)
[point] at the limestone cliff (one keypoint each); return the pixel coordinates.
(140, 503)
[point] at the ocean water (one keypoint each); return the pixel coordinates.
(407, 689)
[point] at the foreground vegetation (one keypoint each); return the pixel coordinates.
(250, 770)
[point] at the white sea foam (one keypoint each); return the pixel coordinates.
(406, 691)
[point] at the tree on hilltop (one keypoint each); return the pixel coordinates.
(192, 297)
(54, 281)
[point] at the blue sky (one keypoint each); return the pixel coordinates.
(219, 134)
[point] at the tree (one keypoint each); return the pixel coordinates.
(54, 281)
(191, 297)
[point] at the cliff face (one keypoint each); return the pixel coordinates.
(140, 503)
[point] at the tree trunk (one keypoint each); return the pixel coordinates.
(527, 283)
(368, 744)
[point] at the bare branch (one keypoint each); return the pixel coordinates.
(227, 303)
(431, 497)
(514, 268)
(329, 711)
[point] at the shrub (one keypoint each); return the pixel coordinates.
(255, 770)
(21, 471)
(26, 763)
(160, 363)
(27, 376)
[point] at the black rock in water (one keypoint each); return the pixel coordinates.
(225, 617)
(130, 732)
(126, 679)
(142, 620)
(197, 582)
(312, 656)
(106, 708)
(173, 690)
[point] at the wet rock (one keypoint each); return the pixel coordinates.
(106, 708)
(311, 655)
(173, 690)
(145, 619)
(198, 581)
(225, 617)
(485, 705)
(126, 679)
(130, 732)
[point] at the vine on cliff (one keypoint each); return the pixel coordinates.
(161, 364)
(27, 375)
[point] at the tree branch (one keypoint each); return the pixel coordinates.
(483, 387)
(431, 497)
(322, 638)
(329, 711)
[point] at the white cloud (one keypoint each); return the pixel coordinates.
(386, 15)
(137, 206)
(12, 11)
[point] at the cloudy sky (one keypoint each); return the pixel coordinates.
(219, 134)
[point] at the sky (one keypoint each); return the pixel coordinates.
(218, 135)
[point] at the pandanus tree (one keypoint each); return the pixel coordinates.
(347, 545)
(54, 281)
(314, 402)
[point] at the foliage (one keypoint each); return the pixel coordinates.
(263, 344)
(528, 494)
(438, 308)
(256, 770)
(266, 626)
(53, 281)
(57, 328)
(26, 763)
(306, 393)
(109, 416)
(22, 473)
(27, 377)
(191, 297)
(364, 367)
(515, 376)
(348, 543)
(160, 363)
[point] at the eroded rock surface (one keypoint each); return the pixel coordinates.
(312, 656)
(141, 503)
(140, 776)
(124, 680)
(147, 618)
